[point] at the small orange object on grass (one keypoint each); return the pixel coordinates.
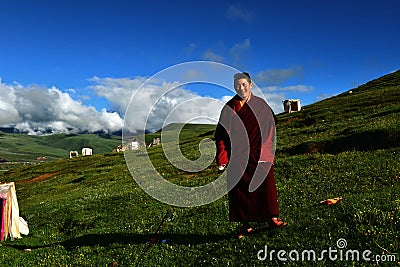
(330, 201)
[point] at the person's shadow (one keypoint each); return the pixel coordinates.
(105, 240)
(172, 239)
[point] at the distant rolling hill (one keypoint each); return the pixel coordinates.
(23, 147)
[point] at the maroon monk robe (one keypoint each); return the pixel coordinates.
(241, 131)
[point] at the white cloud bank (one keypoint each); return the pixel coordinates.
(37, 110)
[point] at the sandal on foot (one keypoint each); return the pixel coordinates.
(276, 222)
(244, 231)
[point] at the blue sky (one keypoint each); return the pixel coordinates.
(79, 52)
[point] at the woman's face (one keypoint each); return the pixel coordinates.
(243, 88)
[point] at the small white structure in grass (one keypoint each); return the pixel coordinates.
(73, 154)
(135, 145)
(119, 148)
(155, 142)
(291, 105)
(87, 151)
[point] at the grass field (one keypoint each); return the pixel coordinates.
(27, 148)
(89, 211)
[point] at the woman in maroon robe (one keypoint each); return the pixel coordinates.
(245, 140)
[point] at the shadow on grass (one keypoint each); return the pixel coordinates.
(126, 239)
(105, 240)
(368, 140)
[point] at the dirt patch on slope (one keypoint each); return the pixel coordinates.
(39, 178)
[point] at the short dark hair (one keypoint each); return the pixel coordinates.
(242, 75)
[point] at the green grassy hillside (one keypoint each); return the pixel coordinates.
(363, 118)
(22, 147)
(89, 211)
